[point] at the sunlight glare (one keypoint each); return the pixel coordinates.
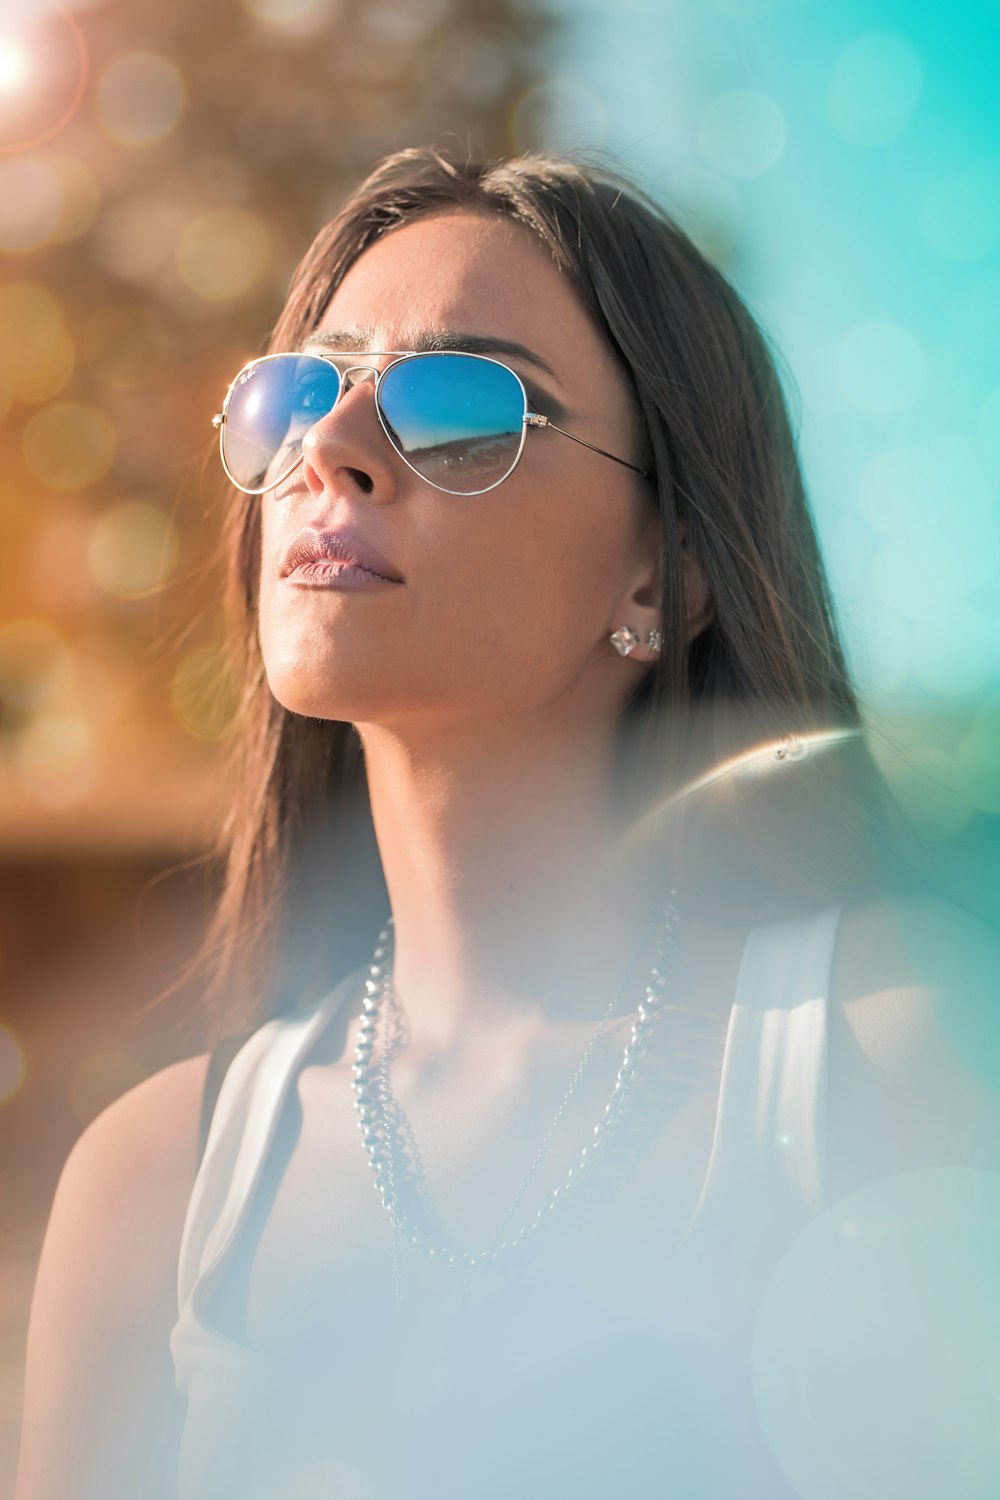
(13, 66)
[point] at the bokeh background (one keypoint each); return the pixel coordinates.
(162, 168)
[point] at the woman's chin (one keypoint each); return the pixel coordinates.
(340, 702)
(313, 700)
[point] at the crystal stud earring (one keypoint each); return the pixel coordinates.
(654, 640)
(624, 640)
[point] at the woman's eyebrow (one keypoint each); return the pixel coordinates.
(478, 343)
(355, 340)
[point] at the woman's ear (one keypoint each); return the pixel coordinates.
(635, 630)
(700, 604)
(639, 611)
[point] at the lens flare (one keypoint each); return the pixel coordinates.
(48, 53)
(13, 67)
(875, 1348)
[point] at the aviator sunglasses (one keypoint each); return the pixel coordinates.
(457, 420)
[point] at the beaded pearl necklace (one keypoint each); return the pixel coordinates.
(381, 1120)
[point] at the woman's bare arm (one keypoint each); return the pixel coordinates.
(101, 1411)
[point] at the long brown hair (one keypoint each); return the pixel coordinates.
(303, 890)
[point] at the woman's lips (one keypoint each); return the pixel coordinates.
(335, 559)
(328, 573)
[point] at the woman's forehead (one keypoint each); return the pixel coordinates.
(462, 271)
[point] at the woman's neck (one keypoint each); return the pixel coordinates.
(509, 909)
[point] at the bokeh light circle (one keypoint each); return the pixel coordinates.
(874, 89)
(128, 346)
(140, 98)
(959, 215)
(56, 743)
(556, 115)
(36, 352)
(475, 67)
(978, 758)
(80, 194)
(36, 664)
(937, 488)
(300, 17)
(928, 783)
(203, 694)
(69, 445)
(709, 207)
(955, 650)
(879, 367)
(133, 549)
(742, 133)
(11, 1064)
(988, 429)
(31, 203)
(100, 1079)
(60, 583)
(134, 239)
(223, 253)
(743, 8)
(876, 1362)
(978, 304)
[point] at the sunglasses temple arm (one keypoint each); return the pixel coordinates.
(534, 420)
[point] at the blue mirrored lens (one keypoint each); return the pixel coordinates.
(457, 418)
(271, 408)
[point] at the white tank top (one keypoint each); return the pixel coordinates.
(259, 1434)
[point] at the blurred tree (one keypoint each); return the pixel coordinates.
(162, 169)
(153, 233)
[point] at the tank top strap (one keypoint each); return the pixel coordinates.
(771, 1125)
(243, 1126)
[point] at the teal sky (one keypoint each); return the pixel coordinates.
(842, 162)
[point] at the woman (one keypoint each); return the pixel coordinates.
(542, 681)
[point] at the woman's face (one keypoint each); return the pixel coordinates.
(499, 604)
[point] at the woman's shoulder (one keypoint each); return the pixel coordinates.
(114, 1233)
(914, 1066)
(134, 1166)
(105, 1296)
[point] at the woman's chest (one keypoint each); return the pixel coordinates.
(321, 1260)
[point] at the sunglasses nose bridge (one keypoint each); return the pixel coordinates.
(354, 374)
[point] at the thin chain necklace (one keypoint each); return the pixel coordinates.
(382, 1122)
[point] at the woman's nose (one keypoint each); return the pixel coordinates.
(348, 444)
